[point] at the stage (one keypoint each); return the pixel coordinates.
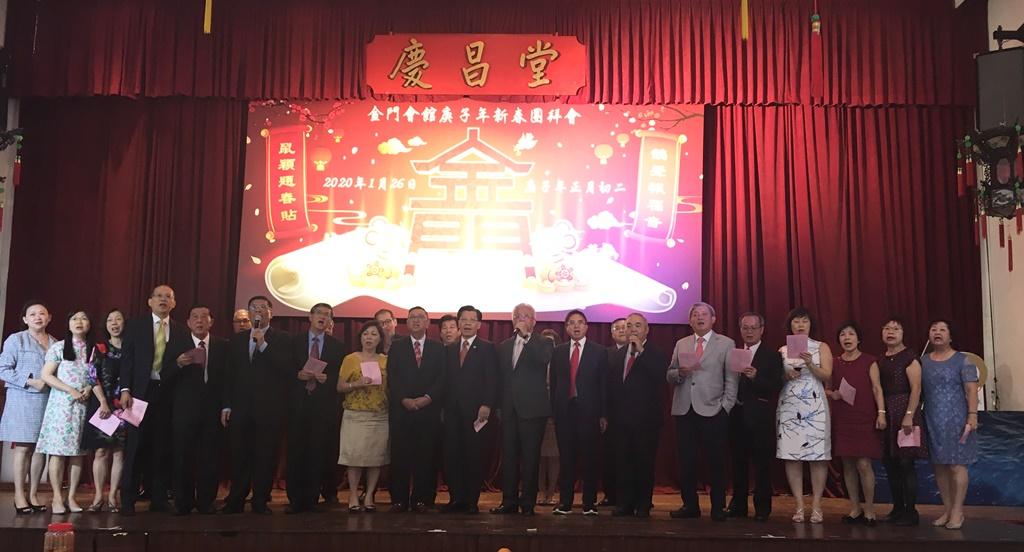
(986, 528)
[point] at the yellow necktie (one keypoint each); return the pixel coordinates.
(158, 350)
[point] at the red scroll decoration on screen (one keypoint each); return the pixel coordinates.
(287, 215)
(476, 64)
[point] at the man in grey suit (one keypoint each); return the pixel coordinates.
(525, 408)
(705, 392)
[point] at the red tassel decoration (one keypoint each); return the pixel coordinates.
(972, 174)
(976, 243)
(1020, 219)
(984, 228)
(1009, 255)
(961, 185)
(1002, 235)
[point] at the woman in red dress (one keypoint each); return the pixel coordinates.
(858, 415)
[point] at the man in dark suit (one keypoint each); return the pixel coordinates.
(471, 390)
(148, 447)
(751, 422)
(634, 408)
(311, 408)
(525, 408)
(329, 479)
(579, 381)
(704, 391)
(416, 367)
(194, 368)
(259, 374)
(619, 340)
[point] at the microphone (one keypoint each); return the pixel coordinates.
(256, 324)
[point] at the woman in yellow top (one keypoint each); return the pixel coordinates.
(364, 426)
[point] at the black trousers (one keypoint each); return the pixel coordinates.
(463, 460)
(413, 442)
(253, 458)
(520, 458)
(308, 434)
(751, 443)
(711, 432)
(577, 437)
(635, 450)
(608, 468)
(197, 444)
(148, 449)
(329, 479)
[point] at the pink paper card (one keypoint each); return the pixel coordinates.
(371, 370)
(136, 414)
(739, 359)
(966, 434)
(108, 426)
(197, 355)
(688, 360)
(478, 425)
(847, 392)
(796, 345)
(913, 439)
(315, 366)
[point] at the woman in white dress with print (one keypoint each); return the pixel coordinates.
(802, 423)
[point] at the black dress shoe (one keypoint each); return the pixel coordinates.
(760, 516)
(420, 507)
(606, 502)
(893, 516)
(206, 510)
(471, 510)
(736, 512)
(718, 515)
(870, 522)
(227, 509)
(261, 509)
(399, 508)
(527, 511)
(159, 506)
(454, 508)
(331, 499)
(684, 513)
(643, 513)
(505, 509)
(851, 520)
(292, 509)
(910, 518)
(622, 512)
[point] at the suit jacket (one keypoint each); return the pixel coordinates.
(324, 397)
(475, 383)
(591, 380)
(408, 381)
(708, 389)
(524, 387)
(190, 393)
(636, 402)
(137, 349)
(257, 387)
(758, 395)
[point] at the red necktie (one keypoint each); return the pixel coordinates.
(463, 352)
(700, 347)
(629, 366)
(574, 366)
(418, 351)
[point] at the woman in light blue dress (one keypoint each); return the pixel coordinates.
(70, 373)
(803, 426)
(21, 367)
(949, 384)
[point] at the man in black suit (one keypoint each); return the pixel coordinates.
(148, 447)
(634, 409)
(751, 422)
(471, 389)
(259, 374)
(579, 381)
(416, 367)
(619, 340)
(525, 408)
(194, 367)
(311, 407)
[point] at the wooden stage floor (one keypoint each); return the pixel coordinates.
(986, 529)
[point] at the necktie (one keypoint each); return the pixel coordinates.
(418, 351)
(517, 349)
(206, 375)
(574, 366)
(314, 352)
(463, 352)
(700, 347)
(160, 345)
(629, 366)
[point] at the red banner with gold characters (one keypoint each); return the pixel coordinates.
(476, 64)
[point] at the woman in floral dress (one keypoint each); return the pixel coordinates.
(69, 373)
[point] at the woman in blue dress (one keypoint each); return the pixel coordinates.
(950, 387)
(21, 367)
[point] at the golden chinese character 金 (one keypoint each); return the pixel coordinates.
(411, 64)
(539, 56)
(476, 73)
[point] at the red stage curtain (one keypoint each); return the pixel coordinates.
(870, 52)
(118, 195)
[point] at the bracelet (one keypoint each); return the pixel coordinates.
(881, 412)
(910, 413)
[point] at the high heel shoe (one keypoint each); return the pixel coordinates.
(956, 525)
(817, 516)
(38, 508)
(941, 521)
(798, 516)
(22, 511)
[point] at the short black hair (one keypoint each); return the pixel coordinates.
(898, 320)
(575, 311)
(417, 307)
(470, 308)
(446, 318)
(199, 306)
(318, 305)
(853, 326)
(620, 319)
(106, 333)
(257, 298)
(381, 311)
(799, 312)
(372, 323)
(947, 322)
(31, 303)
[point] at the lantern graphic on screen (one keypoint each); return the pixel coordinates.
(321, 156)
(603, 152)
